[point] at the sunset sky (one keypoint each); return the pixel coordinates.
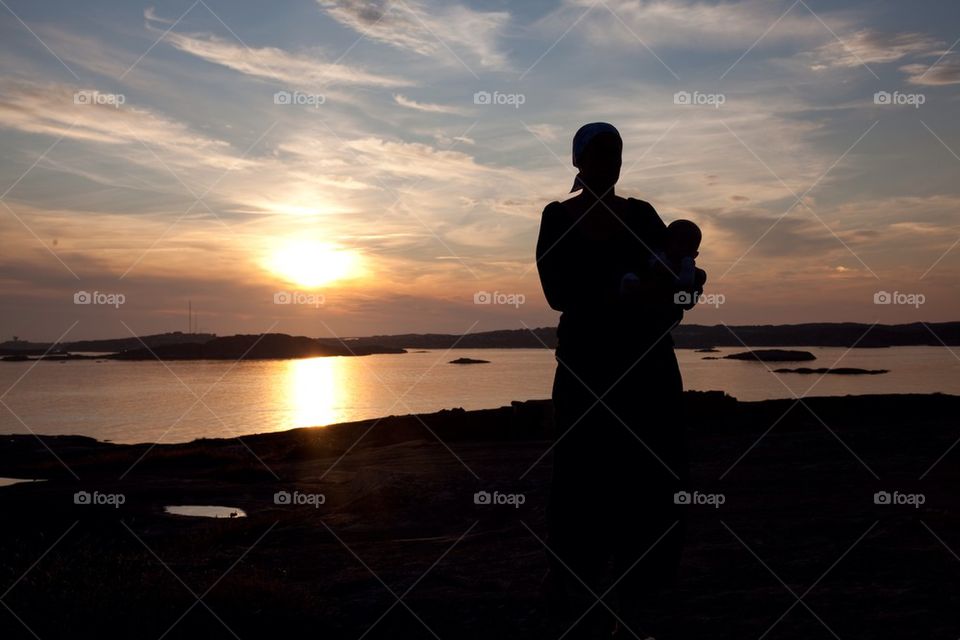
(228, 153)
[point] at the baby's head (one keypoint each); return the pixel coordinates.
(683, 240)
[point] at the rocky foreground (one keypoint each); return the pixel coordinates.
(837, 519)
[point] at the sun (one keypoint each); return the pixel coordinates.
(312, 264)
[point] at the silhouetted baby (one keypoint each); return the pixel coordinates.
(678, 258)
(677, 262)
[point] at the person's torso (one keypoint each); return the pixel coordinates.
(609, 242)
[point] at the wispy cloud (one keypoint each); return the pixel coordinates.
(53, 110)
(428, 107)
(688, 24)
(872, 47)
(943, 72)
(419, 160)
(289, 69)
(431, 30)
(548, 132)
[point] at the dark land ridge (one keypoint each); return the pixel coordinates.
(686, 336)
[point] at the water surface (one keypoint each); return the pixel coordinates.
(147, 402)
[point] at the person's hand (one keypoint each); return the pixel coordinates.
(687, 297)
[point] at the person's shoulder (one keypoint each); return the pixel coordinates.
(556, 205)
(644, 214)
(642, 207)
(554, 211)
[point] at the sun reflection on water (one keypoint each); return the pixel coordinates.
(315, 391)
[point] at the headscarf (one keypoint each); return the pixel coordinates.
(581, 141)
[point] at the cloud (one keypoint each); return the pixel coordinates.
(944, 72)
(50, 109)
(106, 59)
(797, 240)
(917, 212)
(403, 101)
(871, 47)
(450, 141)
(418, 159)
(488, 234)
(426, 29)
(903, 233)
(686, 24)
(548, 132)
(150, 13)
(271, 63)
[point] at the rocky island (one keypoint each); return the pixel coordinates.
(772, 355)
(843, 371)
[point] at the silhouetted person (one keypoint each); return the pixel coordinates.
(617, 461)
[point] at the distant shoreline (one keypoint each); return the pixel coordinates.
(186, 346)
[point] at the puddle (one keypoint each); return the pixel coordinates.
(205, 511)
(6, 482)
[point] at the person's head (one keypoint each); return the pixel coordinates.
(597, 153)
(683, 240)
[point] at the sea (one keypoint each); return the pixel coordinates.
(152, 401)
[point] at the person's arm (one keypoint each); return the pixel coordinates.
(649, 288)
(567, 274)
(654, 281)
